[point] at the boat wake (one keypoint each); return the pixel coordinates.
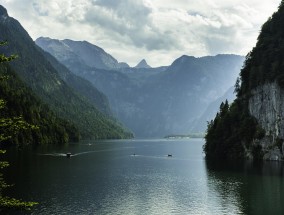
(79, 153)
(54, 154)
(151, 156)
(65, 154)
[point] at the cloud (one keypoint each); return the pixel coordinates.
(39, 10)
(159, 30)
(129, 19)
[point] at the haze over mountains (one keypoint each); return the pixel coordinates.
(152, 102)
(82, 52)
(142, 64)
(89, 88)
(70, 97)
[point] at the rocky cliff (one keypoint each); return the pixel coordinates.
(253, 126)
(266, 104)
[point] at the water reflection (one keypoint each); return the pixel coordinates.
(105, 178)
(247, 187)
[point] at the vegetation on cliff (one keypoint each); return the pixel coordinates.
(264, 64)
(233, 132)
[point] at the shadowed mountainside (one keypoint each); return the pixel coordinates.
(154, 102)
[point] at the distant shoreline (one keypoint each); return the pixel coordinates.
(185, 136)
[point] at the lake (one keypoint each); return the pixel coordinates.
(105, 177)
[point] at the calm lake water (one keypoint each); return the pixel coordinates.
(106, 178)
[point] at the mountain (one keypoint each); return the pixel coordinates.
(253, 126)
(82, 86)
(41, 76)
(211, 111)
(155, 102)
(81, 51)
(21, 101)
(142, 64)
(181, 94)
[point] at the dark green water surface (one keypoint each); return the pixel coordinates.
(106, 178)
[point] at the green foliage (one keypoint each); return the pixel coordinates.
(43, 79)
(23, 109)
(232, 130)
(82, 86)
(237, 86)
(264, 64)
(4, 58)
(7, 202)
(9, 127)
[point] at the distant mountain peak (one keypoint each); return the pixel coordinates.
(3, 12)
(185, 58)
(123, 65)
(83, 51)
(43, 38)
(142, 64)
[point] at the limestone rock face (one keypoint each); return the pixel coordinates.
(266, 104)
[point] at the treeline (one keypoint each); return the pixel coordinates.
(231, 133)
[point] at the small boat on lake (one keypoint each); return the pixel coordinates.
(170, 155)
(68, 154)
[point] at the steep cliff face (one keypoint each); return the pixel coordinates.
(266, 104)
(253, 126)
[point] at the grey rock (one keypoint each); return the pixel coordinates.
(273, 155)
(266, 104)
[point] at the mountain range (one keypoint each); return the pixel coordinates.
(152, 102)
(72, 52)
(70, 97)
(90, 89)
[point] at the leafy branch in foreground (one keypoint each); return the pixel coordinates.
(8, 202)
(9, 127)
(4, 58)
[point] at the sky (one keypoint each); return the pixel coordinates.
(156, 30)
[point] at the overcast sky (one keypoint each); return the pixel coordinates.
(158, 30)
